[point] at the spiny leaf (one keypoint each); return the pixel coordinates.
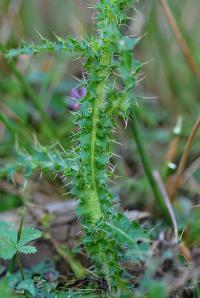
(129, 235)
(41, 159)
(47, 46)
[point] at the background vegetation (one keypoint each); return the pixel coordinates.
(35, 108)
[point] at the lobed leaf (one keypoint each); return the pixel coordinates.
(28, 234)
(9, 244)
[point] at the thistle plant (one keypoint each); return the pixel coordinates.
(111, 74)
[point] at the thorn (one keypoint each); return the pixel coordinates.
(132, 35)
(66, 193)
(90, 6)
(76, 79)
(65, 185)
(147, 62)
(77, 58)
(60, 145)
(150, 97)
(137, 11)
(126, 123)
(113, 141)
(140, 80)
(40, 35)
(114, 154)
(113, 87)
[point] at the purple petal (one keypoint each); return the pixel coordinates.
(74, 106)
(74, 93)
(82, 92)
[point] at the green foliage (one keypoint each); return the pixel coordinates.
(129, 235)
(5, 290)
(28, 286)
(9, 201)
(157, 290)
(9, 243)
(110, 72)
(36, 282)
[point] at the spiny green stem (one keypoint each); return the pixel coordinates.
(94, 203)
(147, 168)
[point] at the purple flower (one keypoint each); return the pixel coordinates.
(76, 94)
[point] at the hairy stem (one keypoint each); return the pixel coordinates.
(94, 202)
(93, 196)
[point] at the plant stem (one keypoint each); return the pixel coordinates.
(21, 224)
(147, 167)
(20, 266)
(13, 261)
(93, 195)
(12, 264)
(94, 202)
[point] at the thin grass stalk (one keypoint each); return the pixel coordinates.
(147, 168)
(184, 159)
(16, 256)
